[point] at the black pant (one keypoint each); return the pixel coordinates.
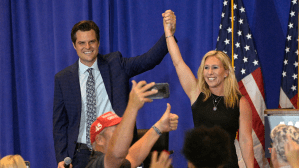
(81, 157)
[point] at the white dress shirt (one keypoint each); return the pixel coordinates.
(103, 103)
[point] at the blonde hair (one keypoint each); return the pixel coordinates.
(12, 161)
(231, 87)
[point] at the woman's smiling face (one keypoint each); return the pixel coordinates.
(214, 72)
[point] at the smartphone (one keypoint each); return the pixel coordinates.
(163, 91)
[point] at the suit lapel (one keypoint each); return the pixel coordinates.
(75, 84)
(105, 72)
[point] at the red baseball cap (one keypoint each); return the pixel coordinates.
(105, 120)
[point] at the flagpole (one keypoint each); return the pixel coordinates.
(232, 23)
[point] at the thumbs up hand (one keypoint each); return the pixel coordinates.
(168, 122)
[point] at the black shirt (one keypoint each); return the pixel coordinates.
(97, 161)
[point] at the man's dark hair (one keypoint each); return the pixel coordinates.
(207, 147)
(85, 25)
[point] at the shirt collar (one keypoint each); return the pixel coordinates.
(83, 68)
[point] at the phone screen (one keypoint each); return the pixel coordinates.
(163, 91)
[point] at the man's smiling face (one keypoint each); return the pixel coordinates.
(87, 46)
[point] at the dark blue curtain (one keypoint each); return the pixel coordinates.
(35, 44)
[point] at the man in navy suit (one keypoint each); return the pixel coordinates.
(111, 75)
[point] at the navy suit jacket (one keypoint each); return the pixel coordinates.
(116, 72)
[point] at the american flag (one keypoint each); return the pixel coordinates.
(248, 73)
(289, 81)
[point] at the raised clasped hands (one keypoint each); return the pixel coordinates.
(169, 22)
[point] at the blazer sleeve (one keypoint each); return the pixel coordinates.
(147, 61)
(60, 123)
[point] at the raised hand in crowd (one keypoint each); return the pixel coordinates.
(162, 162)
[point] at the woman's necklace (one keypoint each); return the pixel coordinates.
(216, 101)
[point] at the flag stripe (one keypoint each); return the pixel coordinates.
(259, 152)
(284, 101)
(257, 75)
(294, 100)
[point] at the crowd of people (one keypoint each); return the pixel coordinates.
(94, 107)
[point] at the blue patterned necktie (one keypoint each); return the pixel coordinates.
(91, 105)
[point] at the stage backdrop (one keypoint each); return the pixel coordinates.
(35, 44)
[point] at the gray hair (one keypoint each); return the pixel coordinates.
(278, 136)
